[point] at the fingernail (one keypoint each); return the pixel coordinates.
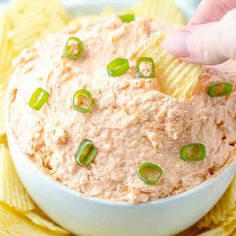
(177, 44)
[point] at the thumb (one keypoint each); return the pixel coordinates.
(211, 43)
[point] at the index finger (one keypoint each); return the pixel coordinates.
(211, 10)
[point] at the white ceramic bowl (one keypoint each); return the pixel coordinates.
(91, 217)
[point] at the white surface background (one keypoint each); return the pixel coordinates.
(3, 2)
(86, 6)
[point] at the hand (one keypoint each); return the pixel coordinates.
(211, 10)
(203, 42)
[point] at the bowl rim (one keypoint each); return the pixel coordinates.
(230, 165)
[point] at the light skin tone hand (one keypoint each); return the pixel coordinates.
(209, 37)
(211, 10)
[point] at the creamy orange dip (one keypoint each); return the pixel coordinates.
(131, 121)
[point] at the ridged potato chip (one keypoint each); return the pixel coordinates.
(164, 12)
(219, 231)
(175, 77)
(6, 47)
(5, 74)
(230, 222)
(45, 223)
(26, 28)
(4, 78)
(2, 112)
(6, 55)
(225, 229)
(15, 224)
(12, 191)
(221, 211)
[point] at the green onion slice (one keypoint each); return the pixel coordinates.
(118, 67)
(193, 152)
(74, 48)
(220, 89)
(145, 67)
(86, 153)
(149, 173)
(127, 18)
(38, 98)
(82, 101)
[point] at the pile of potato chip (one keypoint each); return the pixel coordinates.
(222, 218)
(22, 23)
(25, 21)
